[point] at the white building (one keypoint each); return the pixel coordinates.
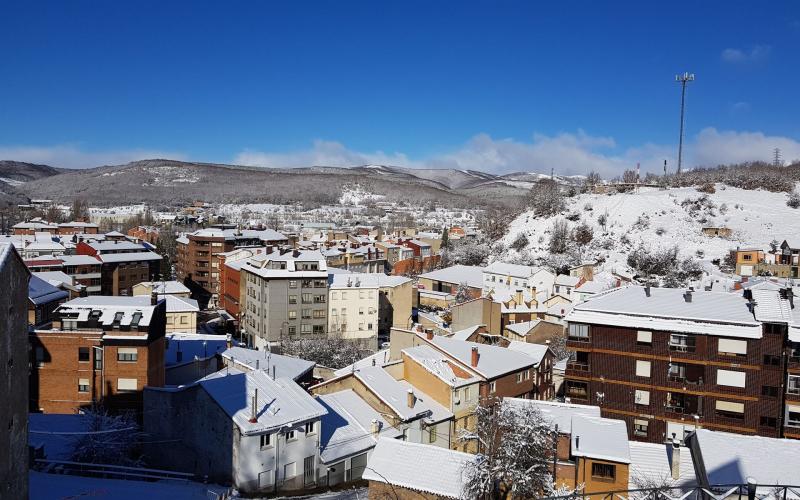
(504, 277)
(353, 307)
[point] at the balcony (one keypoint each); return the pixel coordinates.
(687, 374)
(682, 343)
(578, 367)
(682, 404)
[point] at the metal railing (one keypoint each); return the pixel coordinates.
(110, 471)
(750, 491)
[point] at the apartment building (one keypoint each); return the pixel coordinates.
(669, 361)
(14, 382)
(231, 287)
(197, 256)
(286, 296)
(86, 270)
(353, 309)
(124, 264)
(98, 350)
(65, 228)
(43, 299)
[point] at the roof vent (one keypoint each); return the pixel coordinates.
(647, 290)
(687, 297)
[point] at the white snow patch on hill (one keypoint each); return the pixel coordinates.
(356, 195)
(11, 182)
(755, 217)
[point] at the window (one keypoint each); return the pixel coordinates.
(98, 358)
(319, 299)
(681, 343)
(644, 337)
(40, 356)
(292, 314)
(292, 283)
(492, 387)
(768, 422)
(362, 294)
(640, 427)
(290, 470)
(603, 471)
(772, 360)
(642, 397)
(293, 299)
(730, 410)
(318, 329)
(290, 436)
(731, 378)
(519, 377)
(578, 331)
(127, 354)
(83, 354)
(432, 433)
(266, 441)
(307, 298)
(642, 368)
(310, 427)
(334, 295)
(793, 385)
(319, 313)
(83, 385)
(305, 328)
(747, 256)
(770, 391)
(126, 384)
(292, 330)
(344, 295)
(306, 314)
(370, 326)
(361, 327)
(360, 311)
(730, 347)
(467, 393)
(793, 419)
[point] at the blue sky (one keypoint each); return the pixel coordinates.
(498, 86)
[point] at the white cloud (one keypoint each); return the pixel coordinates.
(756, 53)
(712, 147)
(70, 156)
(740, 107)
(323, 153)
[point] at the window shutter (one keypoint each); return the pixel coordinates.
(644, 337)
(642, 368)
(733, 346)
(731, 407)
(731, 378)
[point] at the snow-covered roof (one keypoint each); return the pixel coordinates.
(165, 287)
(261, 264)
(79, 260)
(732, 458)
(367, 280)
(116, 245)
(523, 327)
(493, 361)
(466, 332)
(232, 234)
(277, 364)
(514, 270)
(110, 258)
(281, 402)
(567, 280)
(651, 464)
(556, 413)
(535, 351)
(419, 467)
(601, 438)
(191, 345)
(771, 307)
(380, 358)
(347, 427)
(439, 365)
(395, 394)
(180, 304)
(708, 313)
(55, 278)
(41, 292)
(471, 275)
(109, 306)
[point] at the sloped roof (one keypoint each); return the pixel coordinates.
(535, 351)
(109, 306)
(601, 438)
(167, 287)
(493, 361)
(560, 414)
(465, 333)
(281, 402)
(438, 364)
(180, 304)
(347, 427)
(420, 467)
(651, 464)
(41, 292)
(395, 394)
(523, 327)
(283, 366)
(471, 275)
(515, 270)
(380, 358)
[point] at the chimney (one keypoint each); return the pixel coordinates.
(675, 462)
(475, 357)
(647, 290)
(376, 427)
(518, 297)
(229, 341)
(577, 442)
(420, 329)
(258, 364)
(153, 298)
(296, 253)
(687, 296)
(533, 291)
(253, 409)
(429, 333)
(273, 372)
(411, 399)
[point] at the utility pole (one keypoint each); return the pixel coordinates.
(683, 80)
(776, 161)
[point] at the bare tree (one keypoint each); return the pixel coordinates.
(559, 236)
(109, 439)
(516, 446)
(545, 198)
(463, 294)
(80, 210)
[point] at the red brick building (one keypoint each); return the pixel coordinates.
(668, 361)
(124, 264)
(98, 350)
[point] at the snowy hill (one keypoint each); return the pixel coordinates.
(665, 218)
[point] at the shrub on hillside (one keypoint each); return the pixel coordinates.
(794, 200)
(545, 198)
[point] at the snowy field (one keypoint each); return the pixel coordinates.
(656, 218)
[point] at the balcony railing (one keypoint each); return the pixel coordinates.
(738, 491)
(578, 366)
(794, 391)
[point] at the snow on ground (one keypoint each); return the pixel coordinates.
(53, 486)
(11, 182)
(755, 217)
(355, 195)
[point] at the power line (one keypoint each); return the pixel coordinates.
(683, 80)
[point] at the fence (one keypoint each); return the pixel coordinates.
(749, 491)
